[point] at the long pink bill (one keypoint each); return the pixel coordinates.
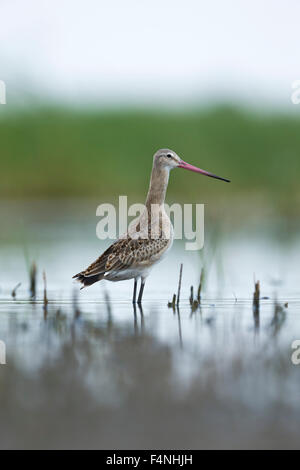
(187, 166)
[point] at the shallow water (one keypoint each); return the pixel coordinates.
(170, 378)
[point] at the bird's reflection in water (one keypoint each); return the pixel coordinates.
(140, 313)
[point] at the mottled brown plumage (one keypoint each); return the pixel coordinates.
(121, 258)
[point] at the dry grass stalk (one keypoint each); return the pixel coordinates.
(200, 286)
(173, 303)
(179, 285)
(256, 297)
(14, 291)
(32, 276)
(192, 295)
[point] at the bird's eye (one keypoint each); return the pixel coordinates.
(169, 155)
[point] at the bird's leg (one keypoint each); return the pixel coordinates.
(134, 291)
(141, 291)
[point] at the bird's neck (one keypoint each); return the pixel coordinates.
(158, 186)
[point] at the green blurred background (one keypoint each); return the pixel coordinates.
(62, 153)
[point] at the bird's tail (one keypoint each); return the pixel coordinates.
(87, 280)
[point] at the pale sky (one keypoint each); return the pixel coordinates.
(156, 52)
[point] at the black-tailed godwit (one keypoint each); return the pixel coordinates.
(148, 237)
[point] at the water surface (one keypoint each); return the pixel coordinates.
(92, 371)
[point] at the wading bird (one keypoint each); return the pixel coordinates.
(148, 237)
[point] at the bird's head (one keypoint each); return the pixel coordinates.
(166, 158)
